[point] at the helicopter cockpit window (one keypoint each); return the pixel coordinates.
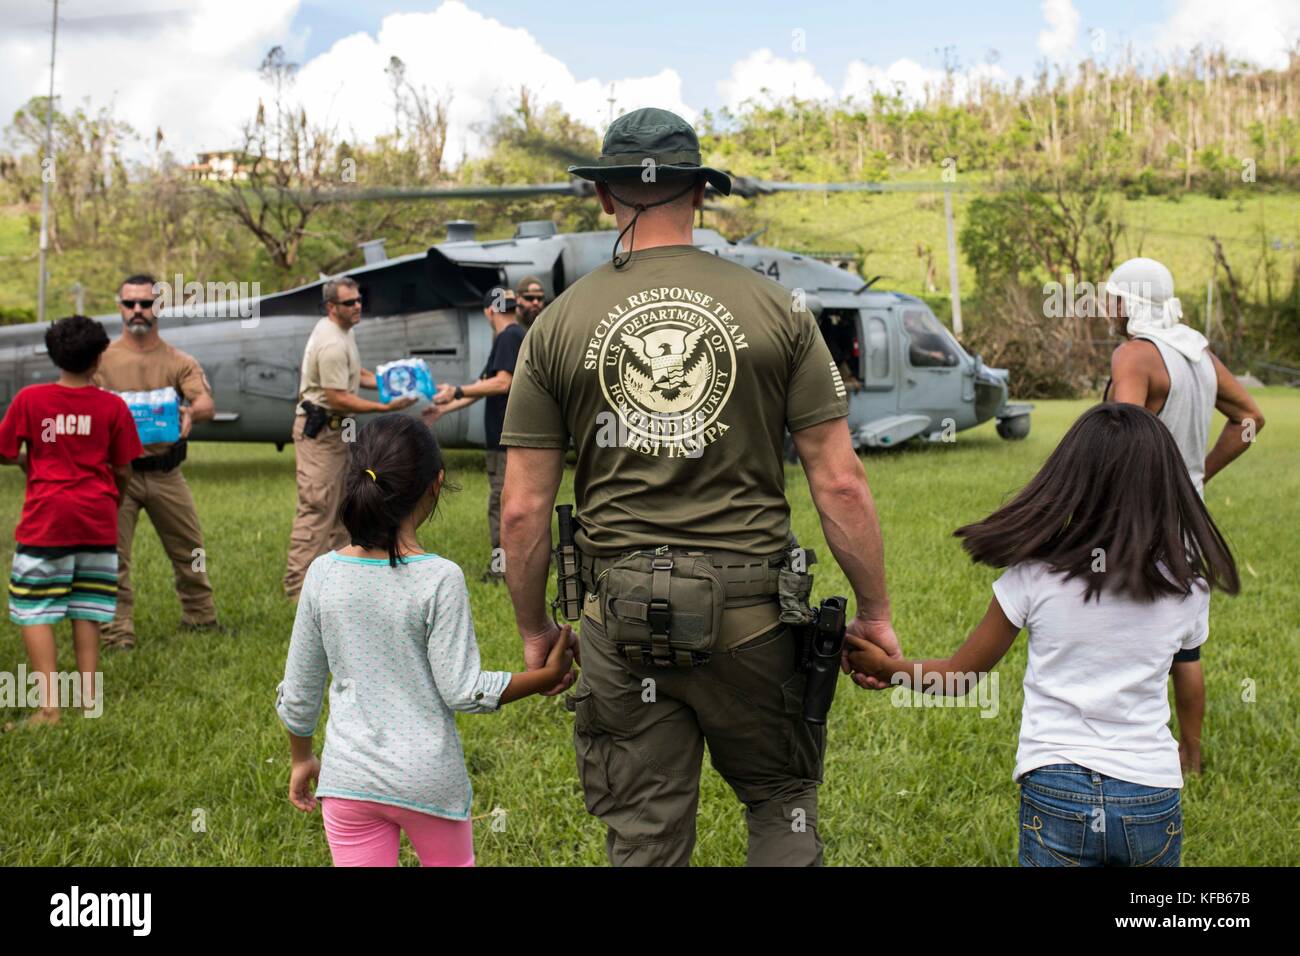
(929, 345)
(840, 330)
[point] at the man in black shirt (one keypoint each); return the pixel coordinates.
(493, 385)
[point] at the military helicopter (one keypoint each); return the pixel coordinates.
(905, 375)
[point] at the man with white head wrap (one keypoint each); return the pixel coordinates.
(1168, 368)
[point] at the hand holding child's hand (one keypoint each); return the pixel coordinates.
(560, 660)
(870, 664)
(538, 648)
(302, 777)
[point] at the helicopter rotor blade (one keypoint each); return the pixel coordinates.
(744, 187)
(749, 188)
(574, 187)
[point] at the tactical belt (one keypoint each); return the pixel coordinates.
(168, 460)
(746, 579)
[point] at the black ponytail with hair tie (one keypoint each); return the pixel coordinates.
(402, 449)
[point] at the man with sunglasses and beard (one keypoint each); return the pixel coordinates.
(532, 299)
(140, 361)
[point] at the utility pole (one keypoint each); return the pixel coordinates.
(47, 172)
(952, 264)
(610, 101)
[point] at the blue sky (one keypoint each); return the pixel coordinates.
(190, 67)
(701, 41)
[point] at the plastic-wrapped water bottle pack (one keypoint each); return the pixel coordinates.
(157, 414)
(408, 376)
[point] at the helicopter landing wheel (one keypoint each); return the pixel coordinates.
(1014, 429)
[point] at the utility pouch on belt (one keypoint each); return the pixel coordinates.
(663, 609)
(794, 586)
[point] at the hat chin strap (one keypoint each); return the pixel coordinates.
(640, 207)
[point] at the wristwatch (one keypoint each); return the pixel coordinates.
(459, 393)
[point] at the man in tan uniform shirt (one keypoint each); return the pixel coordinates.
(138, 361)
(331, 375)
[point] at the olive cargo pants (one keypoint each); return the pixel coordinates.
(317, 529)
(639, 732)
(165, 497)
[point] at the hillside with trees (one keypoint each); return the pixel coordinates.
(1055, 180)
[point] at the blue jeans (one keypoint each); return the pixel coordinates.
(1073, 816)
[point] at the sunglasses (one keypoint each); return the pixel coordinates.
(348, 303)
(532, 298)
(141, 303)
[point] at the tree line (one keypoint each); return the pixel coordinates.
(1053, 152)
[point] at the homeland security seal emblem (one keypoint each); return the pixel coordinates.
(667, 365)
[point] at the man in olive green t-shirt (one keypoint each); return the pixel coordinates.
(675, 375)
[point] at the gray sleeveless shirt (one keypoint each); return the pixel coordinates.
(1193, 387)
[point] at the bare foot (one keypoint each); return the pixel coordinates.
(45, 717)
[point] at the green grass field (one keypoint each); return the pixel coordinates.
(189, 724)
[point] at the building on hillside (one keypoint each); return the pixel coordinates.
(219, 166)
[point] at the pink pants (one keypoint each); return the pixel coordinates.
(364, 833)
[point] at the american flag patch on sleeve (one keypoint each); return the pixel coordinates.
(840, 391)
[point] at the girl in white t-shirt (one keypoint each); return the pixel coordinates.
(1110, 555)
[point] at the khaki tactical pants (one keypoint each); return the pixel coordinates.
(640, 732)
(496, 472)
(317, 529)
(165, 497)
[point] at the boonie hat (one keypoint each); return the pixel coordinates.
(650, 137)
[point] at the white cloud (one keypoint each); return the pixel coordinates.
(1262, 34)
(1058, 40)
(912, 81)
(766, 78)
(195, 73)
(454, 51)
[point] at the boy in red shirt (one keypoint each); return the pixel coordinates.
(80, 443)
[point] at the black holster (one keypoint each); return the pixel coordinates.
(821, 643)
(317, 418)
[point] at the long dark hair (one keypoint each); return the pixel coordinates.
(1116, 482)
(391, 465)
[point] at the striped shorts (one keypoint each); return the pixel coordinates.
(50, 584)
